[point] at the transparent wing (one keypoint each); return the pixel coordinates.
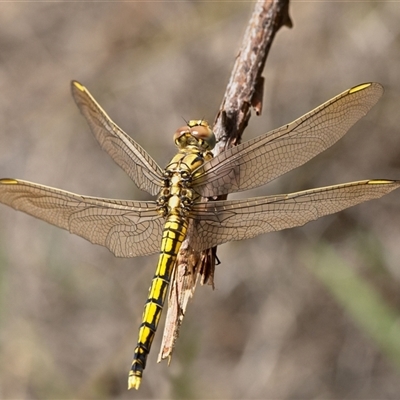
(260, 160)
(217, 222)
(129, 155)
(126, 228)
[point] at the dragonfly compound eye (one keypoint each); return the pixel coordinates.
(180, 135)
(197, 133)
(203, 133)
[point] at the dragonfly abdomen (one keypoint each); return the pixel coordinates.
(173, 235)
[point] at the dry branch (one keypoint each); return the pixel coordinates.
(244, 91)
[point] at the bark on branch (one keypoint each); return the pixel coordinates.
(245, 87)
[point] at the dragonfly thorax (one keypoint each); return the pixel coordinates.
(176, 197)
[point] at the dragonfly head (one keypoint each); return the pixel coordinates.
(195, 133)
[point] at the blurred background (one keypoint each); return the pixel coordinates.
(311, 312)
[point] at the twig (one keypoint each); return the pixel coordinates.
(244, 91)
(245, 87)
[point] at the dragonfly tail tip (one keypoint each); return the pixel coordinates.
(134, 382)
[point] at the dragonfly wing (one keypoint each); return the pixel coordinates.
(128, 154)
(218, 222)
(262, 159)
(126, 228)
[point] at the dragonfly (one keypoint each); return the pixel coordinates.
(187, 191)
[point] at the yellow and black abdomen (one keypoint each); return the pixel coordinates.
(173, 235)
(174, 203)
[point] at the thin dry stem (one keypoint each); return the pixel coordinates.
(244, 91)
